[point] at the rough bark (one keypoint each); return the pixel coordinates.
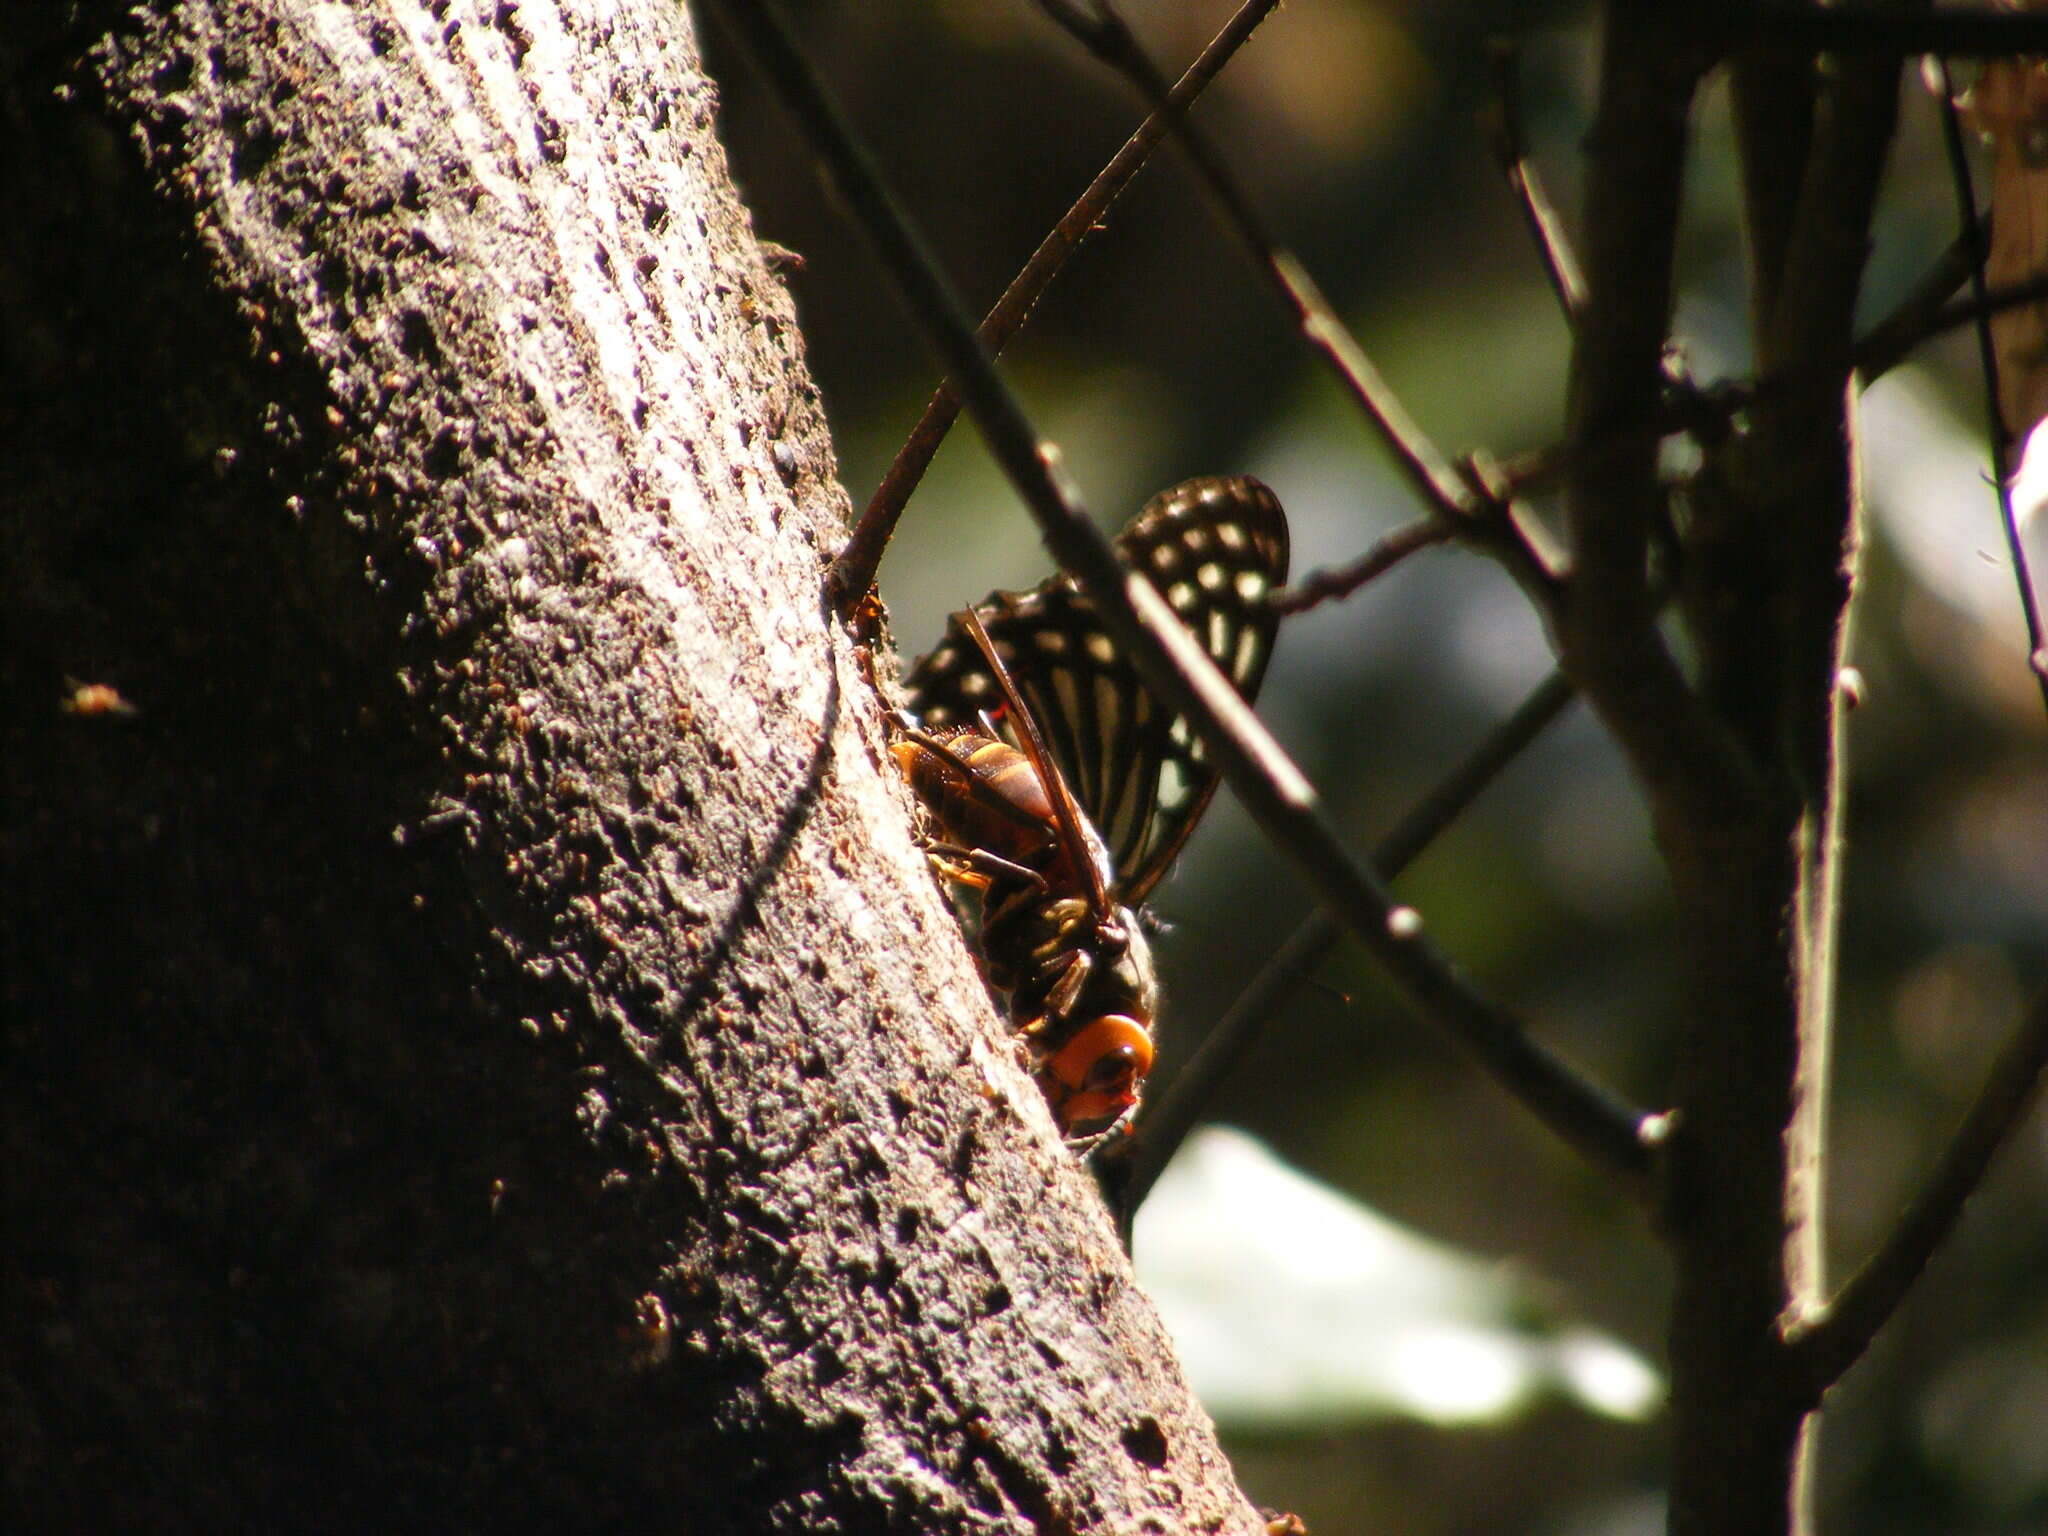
(484, 1048)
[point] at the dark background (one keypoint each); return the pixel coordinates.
(1158, 356)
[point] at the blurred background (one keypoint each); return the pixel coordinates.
(1156, 357)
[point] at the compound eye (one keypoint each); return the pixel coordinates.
(1113, 1072)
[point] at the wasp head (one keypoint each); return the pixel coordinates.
(1094, 1063)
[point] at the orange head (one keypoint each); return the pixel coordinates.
(1095, 1076)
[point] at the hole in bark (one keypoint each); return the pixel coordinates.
(1145, 1443)
(828, 1366)
(444, 459)
(258, 146)
(416, 336)
(964, 1152)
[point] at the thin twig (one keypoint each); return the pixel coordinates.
(1999, 430)
(1103, 32)
(1827, 1344)
(853, 572)
(1386, 552)
(1161, 1131)
(1931, 309)
(1916, 317)
(1469, 496)
(1172, 662)
(1501, 124)
(1998, 298)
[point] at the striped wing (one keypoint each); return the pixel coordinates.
(1214, 548)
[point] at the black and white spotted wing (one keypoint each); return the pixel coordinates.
(1214, 548)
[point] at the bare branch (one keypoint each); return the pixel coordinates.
(1472, 495)
(1886, 347)
(1924, 312)
(1502, 126)
(1386, 552)
(1104, 33)
(1826, 1345)
(853, 573)
(1613, 497)
(1771, 94)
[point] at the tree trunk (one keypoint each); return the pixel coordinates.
(484, 1048)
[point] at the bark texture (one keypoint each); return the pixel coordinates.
(483, 1047)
